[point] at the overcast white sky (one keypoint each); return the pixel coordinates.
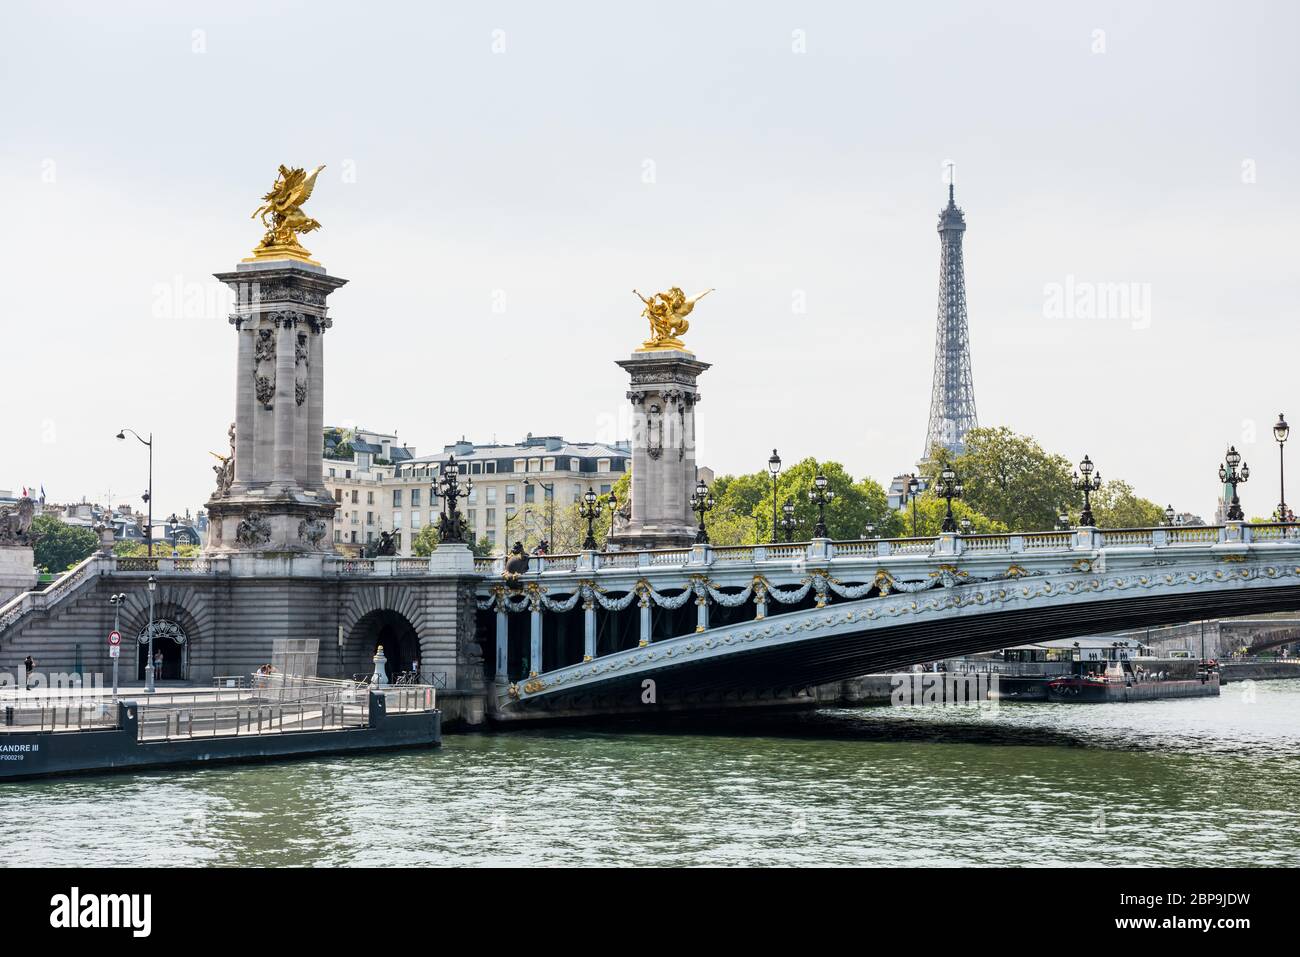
(133, 149)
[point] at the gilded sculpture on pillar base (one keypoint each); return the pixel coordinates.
(283, 204)
(667, 312)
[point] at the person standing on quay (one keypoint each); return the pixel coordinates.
(28, 665)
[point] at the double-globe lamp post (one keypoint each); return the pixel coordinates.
(1087, 485)
(1230, 474)
(702, 503)
(589, 509)
(821, 495)
(788, 522)
(148, 495)
(949, 487)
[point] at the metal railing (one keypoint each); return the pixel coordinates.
(160, 721)
(235, 705)
(60, 714)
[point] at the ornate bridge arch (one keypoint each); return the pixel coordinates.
(813, 646)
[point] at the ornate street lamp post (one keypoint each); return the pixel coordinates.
(148, 666)
(966, 525)
(868, 531)
(589, 509)
(447, 486)
(1231, 475)
(1169, 515)
(911, 492)
(949, 487)
(1281, 432)
(148, 494)
(821, 495)
(173, 523)
(1087, 485)
(1063, 521)
(788, 521)
(701, 504)
(774, 466)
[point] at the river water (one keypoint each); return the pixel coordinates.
(1207, 781)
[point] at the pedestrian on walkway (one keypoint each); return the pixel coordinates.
(157, 665)
(28, 665)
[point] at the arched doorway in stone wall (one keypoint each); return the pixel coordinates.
(171, 643)
(384, 627)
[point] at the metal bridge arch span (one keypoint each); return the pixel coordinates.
(847, 639)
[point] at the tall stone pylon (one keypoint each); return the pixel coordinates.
(952, 394)
(271, 498)
(662, 389)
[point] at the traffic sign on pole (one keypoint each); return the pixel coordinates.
(114, 638)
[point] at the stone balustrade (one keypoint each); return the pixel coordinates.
(944, 547)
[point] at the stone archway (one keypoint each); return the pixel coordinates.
(188, 611)
(391, 629)
(171, 641)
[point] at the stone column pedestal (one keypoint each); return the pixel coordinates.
(663, 394)
(276, 502)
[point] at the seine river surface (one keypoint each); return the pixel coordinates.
(1209, 781)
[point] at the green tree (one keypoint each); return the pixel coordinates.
(425, 542)
(931, 510)
(727, 527)
(741, 495)
(1009, 477)
(1115, 505)
(856, 504)
(58, 545)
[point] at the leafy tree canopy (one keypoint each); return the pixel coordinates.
(1009, 477)
(58, 545)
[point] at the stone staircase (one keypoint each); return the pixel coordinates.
(70, 613)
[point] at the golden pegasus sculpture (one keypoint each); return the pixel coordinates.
(667, 312)
(287, 221)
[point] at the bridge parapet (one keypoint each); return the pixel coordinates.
(916, 554)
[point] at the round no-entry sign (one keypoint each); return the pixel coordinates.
(114, 637)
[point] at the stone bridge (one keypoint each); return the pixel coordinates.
(708, 626)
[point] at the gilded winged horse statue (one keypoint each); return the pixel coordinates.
(281, 213)
(667, 312)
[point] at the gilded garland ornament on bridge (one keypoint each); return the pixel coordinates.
(283, 204)
(667, 312)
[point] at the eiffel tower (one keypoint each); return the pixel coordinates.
(952, 397)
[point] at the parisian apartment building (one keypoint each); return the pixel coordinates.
(383, 485)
